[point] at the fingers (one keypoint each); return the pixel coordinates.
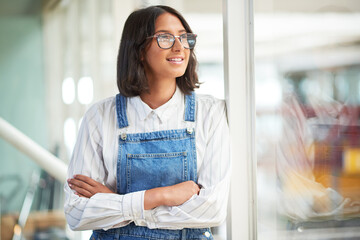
(194, 187)
(85, 179)
(86, 186)
(80, 195)
(81, 187)
(80, 184)
(81, 192)
(179, 193)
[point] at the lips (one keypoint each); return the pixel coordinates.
(175, 59)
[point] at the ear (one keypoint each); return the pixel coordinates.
(142, 56)
(143, 52)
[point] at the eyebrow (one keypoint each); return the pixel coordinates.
(167, 31)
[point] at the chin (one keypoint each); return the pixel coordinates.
(180, 74)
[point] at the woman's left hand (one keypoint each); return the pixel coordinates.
(86, 187)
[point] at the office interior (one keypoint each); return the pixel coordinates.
(58, 57)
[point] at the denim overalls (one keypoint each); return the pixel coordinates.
(150, 160)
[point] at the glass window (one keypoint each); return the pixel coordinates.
(307, 73)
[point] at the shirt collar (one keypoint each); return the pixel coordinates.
(163, 112)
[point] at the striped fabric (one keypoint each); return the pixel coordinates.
(95, 155)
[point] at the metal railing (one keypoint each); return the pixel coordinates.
(53, 165)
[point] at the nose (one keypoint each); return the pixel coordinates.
(177, 45)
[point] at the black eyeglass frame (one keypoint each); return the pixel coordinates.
(173, 41)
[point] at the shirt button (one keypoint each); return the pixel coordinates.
(123, 136)
(207, 234)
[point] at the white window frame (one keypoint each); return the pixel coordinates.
(240, 99)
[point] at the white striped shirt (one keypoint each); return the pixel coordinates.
(96, 152)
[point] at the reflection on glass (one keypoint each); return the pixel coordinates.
(307, 73)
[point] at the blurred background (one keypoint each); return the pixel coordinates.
(307, 74)
(58, 57)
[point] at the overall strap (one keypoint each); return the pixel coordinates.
(190, 107)
(121, 111)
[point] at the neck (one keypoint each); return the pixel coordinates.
(159, 93)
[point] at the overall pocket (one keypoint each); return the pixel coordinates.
(151, 170)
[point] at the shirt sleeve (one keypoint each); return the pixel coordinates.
(101, 211)
(209, 208)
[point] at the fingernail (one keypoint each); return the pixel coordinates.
(70, 185)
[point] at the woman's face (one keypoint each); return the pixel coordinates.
(162, 64)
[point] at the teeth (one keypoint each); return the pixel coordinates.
(175, 59)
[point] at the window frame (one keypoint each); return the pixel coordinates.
(240, 100)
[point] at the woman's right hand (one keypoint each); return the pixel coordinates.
(170, 196)
(84, 186)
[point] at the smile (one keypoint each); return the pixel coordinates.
(175, 60)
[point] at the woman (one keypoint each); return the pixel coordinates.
(138, 171)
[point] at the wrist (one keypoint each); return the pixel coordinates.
(155, 197)
(165, 196)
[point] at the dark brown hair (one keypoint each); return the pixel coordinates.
(131, 78)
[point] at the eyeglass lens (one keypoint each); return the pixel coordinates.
(166, 40)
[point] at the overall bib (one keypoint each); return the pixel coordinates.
(150, 160)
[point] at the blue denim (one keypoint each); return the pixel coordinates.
(156, 159)
(150, 160)
(133, 232)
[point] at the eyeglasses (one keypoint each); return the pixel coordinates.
(167, 40)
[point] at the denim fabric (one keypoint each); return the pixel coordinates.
(133, 232)
(190, 107)
(156, 159)
(121, 111)
(150, 160)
